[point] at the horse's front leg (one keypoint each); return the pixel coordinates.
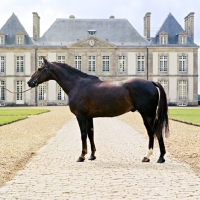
(82, 124)
(90, 132)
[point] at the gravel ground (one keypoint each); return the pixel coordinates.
(20, 140)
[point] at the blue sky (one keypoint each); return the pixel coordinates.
(133, 10)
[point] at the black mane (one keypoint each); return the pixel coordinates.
(75, 71)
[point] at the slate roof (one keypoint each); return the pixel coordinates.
(173, 28)
(114, 31)
(13, 26)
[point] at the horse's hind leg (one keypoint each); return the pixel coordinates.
(90, 132)
(151, 141)
(162, 150)
(82, 124)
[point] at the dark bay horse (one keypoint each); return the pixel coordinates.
(89, 97)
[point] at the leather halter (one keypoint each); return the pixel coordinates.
(47, 69)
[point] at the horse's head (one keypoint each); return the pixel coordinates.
(41, 75)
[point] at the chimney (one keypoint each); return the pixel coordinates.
(189, 25)
(147, 19)
(36, 25)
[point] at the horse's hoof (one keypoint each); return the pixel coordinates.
(92, 157)
(145, 159)
(80, 159)
(161, 160)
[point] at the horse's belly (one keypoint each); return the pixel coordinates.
(109, 109)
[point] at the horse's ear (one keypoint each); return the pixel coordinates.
(45, 60)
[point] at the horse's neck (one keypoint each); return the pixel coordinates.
(64, 79)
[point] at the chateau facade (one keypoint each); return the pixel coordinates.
(108, 48)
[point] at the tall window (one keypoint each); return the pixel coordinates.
(19, 90)
(77, 62)
(163, 63)
(91, 63)
(20, 63)
(40, 60)
(2, 66)
(183, 40)
(140, 61)
(182, 63)
(164, 83)
(61, 59)
(182, 89)
(1, 40)
(106, 64)
(19, 40)
(2, 91)
(42, 92)
(61, 93)
(121, 63)
(163, 39)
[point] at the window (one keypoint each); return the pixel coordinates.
(182, 63)
(121, 63)
(19, 90)
(106, 64)
(1, 40)
(19, 39)
(42, 91)
(40, 60)
(163, 63)
(61, 93)
(20, 64)
(183, 40)
(2, 66)
(91, 63)
(163, 39)
(140, 61)
(2, 91)
(182, 90)
(92, 32)
(61, 59)
(77, 62)
(164, 83)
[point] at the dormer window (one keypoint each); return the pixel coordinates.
(163, 38)
(92, 32)
(2, 39)
(182, 38)
(19, 38)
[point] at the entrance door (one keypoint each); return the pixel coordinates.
(20, 96)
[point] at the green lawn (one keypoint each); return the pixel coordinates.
(185, 115)
(8, 116)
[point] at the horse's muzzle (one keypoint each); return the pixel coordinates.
(32, 84)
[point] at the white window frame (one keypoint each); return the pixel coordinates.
(183, 39)
(163, 63)
(19, 39)
(77, 62)
(121, 63)
(182, 63)
(42, 92)
(19, 89)
(2, 91)
(165, 84)
(182, 90)
(61, 59)
(91, 63)
(105, 63)
(60, 94)
(19, 64)
(2, 39)
(40, 60)
(140, 63)
(2, 65)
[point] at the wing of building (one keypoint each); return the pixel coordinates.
(111, 49)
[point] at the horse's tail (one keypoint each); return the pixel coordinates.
(161, 125)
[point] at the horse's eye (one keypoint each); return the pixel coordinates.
(39, 69)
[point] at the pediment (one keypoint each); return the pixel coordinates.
(92, 42)
(1, 33)
(182, 33)
(163, 33)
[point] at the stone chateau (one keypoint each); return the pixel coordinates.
(111, 49)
